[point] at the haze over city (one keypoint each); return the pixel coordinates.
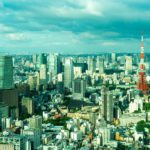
(73, 26)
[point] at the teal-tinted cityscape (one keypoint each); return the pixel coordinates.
(74, 75)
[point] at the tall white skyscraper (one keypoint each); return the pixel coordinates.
(68, 73)
(54, 65)
(6, 72)
(128, 65)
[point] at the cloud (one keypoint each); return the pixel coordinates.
(70, 24)
(15, 36)
(109, 43)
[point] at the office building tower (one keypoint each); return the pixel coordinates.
(40, 59)
(135, 59)
(91, 64)
(105, 135)
(27, 105)
(82, 65)
(100, 64)
(122, 60)
(116, 112)
(68, 73)
(79, 88)
(128, 65)
(4, 110)
(113, 57)
(35, 122)
(34, 136)
(7, 146)
(54, 65)
(60, 83)
(107, 59)
(77, 71)
(10, 98)
(18, 141)
(93, 117)
(43, 58)
(34, 59)
(6, 123)
(43, 74)
(107, 98)
(32, 81)
(6, 72)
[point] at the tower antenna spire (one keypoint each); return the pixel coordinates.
(142, 83)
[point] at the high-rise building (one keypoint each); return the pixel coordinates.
(128, 65)
(77, 71)
(6, 72)
(32, 81)
(68, 73)
(34, 59)
(113, 57)
(79, 88)
(105, 135)
(54, 65)
(91, 64)
(34, 135)
(7, 146)
(39, 59)
(43, 74)
(60, 83)
(4, 110)
(35, 122)
(27, 105)
(18, 141)
(10, 98)
(43, 59)
(107, 98)
(100, 64)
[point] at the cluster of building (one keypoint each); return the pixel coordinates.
(85, 102)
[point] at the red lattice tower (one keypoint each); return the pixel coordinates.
(142, 83)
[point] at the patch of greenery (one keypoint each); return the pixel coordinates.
(24, 116)
(58, 121)
(141, 125)
(146, 106)
(137, 111)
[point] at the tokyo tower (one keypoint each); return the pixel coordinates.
(142, 83)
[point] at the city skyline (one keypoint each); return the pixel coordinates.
(77, 27)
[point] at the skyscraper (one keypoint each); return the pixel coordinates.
(43, 58)
(6, 72)
(27, 105)
(100, 64)
(54, 65)
(35, 122)
(91, 64)
(128, 65)
(113, 57)
(79, 88)
(68, 73)
(43, 74)
(107, 98)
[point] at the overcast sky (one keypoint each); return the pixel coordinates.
(74, 26)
